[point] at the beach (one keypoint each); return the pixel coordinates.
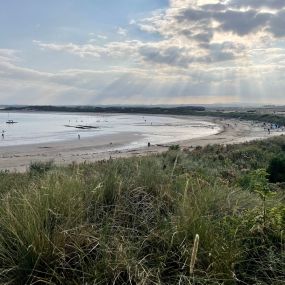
(19, 157)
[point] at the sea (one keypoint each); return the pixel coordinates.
(42, 127)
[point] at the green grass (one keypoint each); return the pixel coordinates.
(133, 221)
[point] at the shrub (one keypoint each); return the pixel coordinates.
(276, 169)
(174, 147)
(41, 167)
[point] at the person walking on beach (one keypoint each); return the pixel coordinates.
(78, 136)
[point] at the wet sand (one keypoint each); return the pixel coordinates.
(18, 158)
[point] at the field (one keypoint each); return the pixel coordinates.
(134, 221)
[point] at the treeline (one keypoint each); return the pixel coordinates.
(183, 110)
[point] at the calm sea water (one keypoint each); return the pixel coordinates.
(34, 128)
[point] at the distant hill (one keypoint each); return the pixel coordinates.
(111, 109)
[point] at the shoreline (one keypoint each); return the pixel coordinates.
(18, 158)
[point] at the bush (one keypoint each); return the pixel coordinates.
(174, 147)
(276, 169)
(41, 167)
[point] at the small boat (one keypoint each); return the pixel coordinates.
(83, 127)
(11, 122)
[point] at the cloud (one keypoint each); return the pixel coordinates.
(191, 51)
(94, 38)
(273, 4)
(122, 32)
(119, 85)
(206, 28)
(171, 55)
(8, 55)
(137, 85)
(239, 22)
(82, 51)
(163, 52)
(91, 49)
(191, 33)
(102, 37)
(277, 24)
(242, 23)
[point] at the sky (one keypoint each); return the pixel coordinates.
(105, 52)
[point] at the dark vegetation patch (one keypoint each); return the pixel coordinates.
(276, 169)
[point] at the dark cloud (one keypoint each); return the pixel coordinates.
(193, 15)
(182, 57)
(214, 7)
(277, 24)
(171, 55)
(238, 22)
(242, 22)
(204, 37)
(222, 52)
(187, 33)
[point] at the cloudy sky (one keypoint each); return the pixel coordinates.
(142, 52)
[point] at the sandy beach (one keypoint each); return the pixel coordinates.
(18, 158)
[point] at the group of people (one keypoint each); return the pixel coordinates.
(269, 127)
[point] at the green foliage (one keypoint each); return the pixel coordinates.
(39, 167)
(174, 147)
(133, 221)
(259, 183)
(276, 169)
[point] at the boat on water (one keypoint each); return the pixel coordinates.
(11, 122)
(83, 127)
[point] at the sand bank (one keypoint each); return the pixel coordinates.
(18, 158)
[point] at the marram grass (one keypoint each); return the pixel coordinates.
(177, 218)
(194, 254)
